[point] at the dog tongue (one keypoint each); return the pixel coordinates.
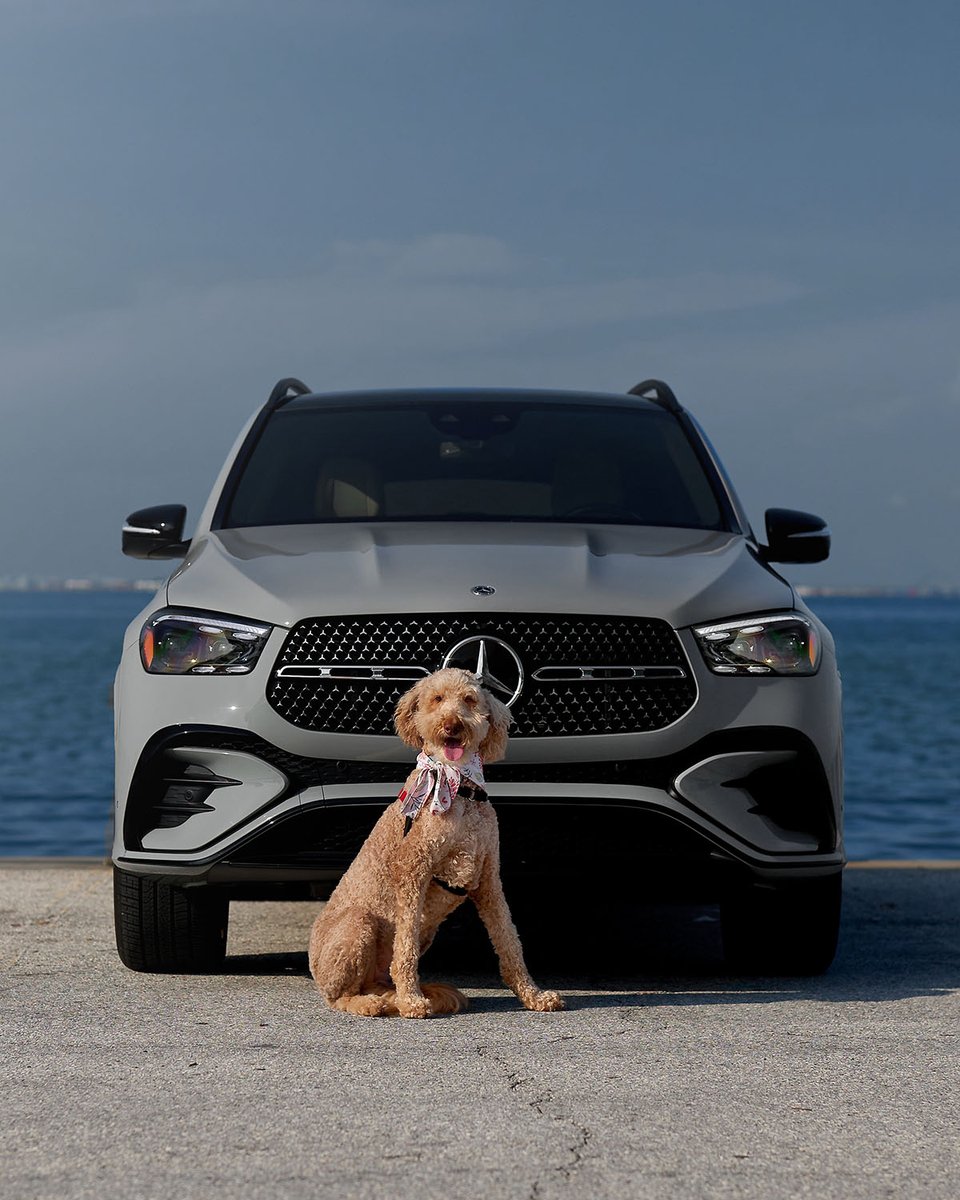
(453, 750)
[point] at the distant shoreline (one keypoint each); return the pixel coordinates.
(32, 587)
(80, 585)
(877, 593)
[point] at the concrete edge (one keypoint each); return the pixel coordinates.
(33, 863)
(78, 862)
(908, 864)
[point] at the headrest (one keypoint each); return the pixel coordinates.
(348, 488)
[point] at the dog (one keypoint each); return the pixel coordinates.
(436, 846)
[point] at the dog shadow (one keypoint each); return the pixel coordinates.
(900, 938)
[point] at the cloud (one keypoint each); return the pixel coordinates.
(422, 16)
(442, 294)
(435, 257)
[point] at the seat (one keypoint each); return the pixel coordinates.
(348, 489)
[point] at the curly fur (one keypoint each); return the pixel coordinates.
(366, 943)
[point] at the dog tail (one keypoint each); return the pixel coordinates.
(368, 1004)
(443, 997)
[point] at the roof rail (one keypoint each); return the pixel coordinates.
(662, 394)
(284, 389)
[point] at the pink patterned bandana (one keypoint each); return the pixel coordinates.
(438, 782)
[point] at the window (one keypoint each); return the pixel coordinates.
(435, 459)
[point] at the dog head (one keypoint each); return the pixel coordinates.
(449, 715)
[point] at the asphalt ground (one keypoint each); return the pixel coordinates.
(664, 1078)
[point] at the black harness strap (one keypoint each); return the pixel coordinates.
(448, 887)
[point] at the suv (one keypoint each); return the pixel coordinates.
(676, 706)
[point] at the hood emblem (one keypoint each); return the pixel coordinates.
(495, 664)
(483, 589)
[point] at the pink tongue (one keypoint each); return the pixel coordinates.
(453, 751)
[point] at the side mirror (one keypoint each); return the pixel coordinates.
(156, 532)
(795, 537)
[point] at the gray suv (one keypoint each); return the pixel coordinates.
(676, 706)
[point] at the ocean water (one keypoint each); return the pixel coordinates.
(900, 661)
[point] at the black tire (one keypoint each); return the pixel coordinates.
(790, 929)
(161, 928)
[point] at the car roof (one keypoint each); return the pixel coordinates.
(401, 397)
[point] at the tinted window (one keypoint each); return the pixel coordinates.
(463, 460)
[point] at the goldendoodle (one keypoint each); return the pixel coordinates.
(433, 848)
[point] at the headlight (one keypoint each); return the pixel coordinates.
(775, 645)
(183, 643)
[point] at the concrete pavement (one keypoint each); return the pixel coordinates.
(663, 1079)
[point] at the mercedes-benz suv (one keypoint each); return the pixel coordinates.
(676, 705)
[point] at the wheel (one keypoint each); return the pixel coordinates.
(162, 928)
(789, 929)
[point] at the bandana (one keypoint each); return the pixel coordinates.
(438, 782)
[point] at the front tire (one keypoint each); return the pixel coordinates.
(162, 928)
(789, 929)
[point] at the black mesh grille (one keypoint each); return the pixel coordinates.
(533, 838)
(544, 709)
(321, 838)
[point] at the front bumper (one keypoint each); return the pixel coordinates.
(213, 786)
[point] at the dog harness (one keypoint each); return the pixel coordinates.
(440, 782)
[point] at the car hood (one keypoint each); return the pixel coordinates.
(281, 574)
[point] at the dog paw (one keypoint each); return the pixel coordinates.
(416, 1007)
(544, 1002)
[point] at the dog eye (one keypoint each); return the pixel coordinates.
(471, 700)
(438, 698)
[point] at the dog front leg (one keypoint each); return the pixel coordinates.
(404, 967)
(495, 913)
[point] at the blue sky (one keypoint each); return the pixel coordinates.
(756, 201)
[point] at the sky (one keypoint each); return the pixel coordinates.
(758, 202)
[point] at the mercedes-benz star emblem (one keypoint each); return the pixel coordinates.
(495, 664)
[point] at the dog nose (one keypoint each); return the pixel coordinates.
(452, 728)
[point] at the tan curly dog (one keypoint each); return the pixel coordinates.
(429, 851)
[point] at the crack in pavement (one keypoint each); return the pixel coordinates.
(582, 1135)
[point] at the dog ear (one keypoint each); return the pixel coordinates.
(405, 718)
(494, 745)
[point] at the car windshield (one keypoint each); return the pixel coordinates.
(463, 460)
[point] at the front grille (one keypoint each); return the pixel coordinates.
(387, 644)
(534, 839)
